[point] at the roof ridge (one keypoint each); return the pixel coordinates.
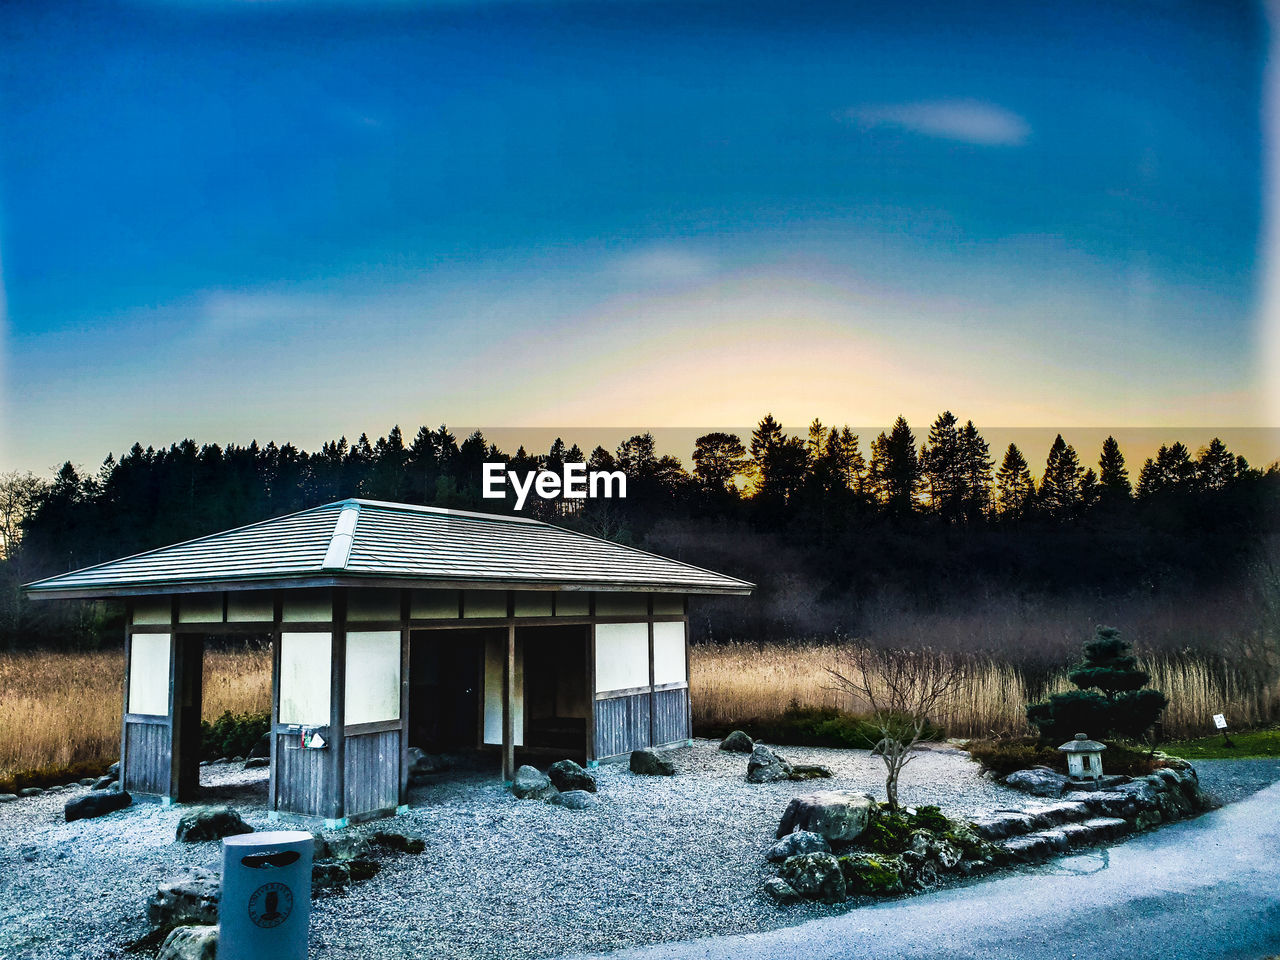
(344, 535)
(443, 511)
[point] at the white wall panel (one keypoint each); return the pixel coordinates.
(304, 605)
(622, 604)
(201, 608)
(152, 611)
(622, 656)
(533, 603)
(149, 674)
(572, 604)
(668, 653)
(373, 605)
(306, 660)
(484, 603)
(253, 606)
(434, 605)
(373, 676)
(495, 652)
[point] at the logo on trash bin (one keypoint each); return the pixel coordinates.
(270, 905)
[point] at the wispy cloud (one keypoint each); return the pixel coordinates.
(967, 121)
(662, 265)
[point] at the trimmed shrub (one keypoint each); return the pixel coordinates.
(232, 735)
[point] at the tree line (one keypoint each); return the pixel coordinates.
(807, 511)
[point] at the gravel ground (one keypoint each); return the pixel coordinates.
(1232, 780)
(659, 859)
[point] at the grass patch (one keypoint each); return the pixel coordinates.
(1248, 744)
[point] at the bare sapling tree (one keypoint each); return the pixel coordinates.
(905, 691)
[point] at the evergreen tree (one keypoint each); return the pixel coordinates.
(895, 469)
(1113, 477)
(847, 463)
(1216, 467)
(975, 471)
(1060, 485)
(942, 469)
(1015, 489)
(1121, 706)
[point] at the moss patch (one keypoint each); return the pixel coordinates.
(866, 874)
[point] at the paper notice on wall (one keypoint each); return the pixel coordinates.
(1220, 721)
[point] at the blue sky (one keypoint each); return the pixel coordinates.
(289, 221)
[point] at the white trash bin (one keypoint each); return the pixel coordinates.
(265, 908)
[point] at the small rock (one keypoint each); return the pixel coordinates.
(765, 766)
(210, 823)
(576, 800)
(838, 815)
(809, 771)
(190, 943)
(86, 781)
(254, 763)
(191, 897)
(816, 876)
(206, 763)
(114, 769)
(780, 891)
(104, 783)
(737, 742)
(569, 776)
(794, 844)
(648, 763)
(8, 797)
(422, 765)
(236, 759)
(363, 868)
(96, 804)
(532, 783)
(326, 876)
(1038, 781)
(262, 748)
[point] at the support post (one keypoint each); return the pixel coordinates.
(591, 693)
(653, 698)
(277, 614)
(124, 696)
(337, 801)
(405, 641)
(509, 707)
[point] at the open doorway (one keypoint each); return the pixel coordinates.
(556, 705)
(446, 677)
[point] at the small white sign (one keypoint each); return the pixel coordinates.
(1220, 721)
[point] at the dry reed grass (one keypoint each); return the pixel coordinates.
(58, 710)
(62, 709)
(734, 682)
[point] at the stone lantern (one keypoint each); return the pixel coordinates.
(1084, 757)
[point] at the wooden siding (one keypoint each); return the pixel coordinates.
(670, 715)
(372, 772)
(148, 753)
(622, 725)
(303, 778)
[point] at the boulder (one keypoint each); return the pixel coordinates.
(918, 871)
(1038, 781)
(872, 874)
(86, 781)
(192, 897)
(650, 764)
(254, 763)
(794, 844)
(423, 765)
(780, 891)
(568, 776)
(838, 815)
(765, 766)
(530, 782)
(1143, 794)
(809, 771)
(816, 876)
(262, 748)
(737, 742)
(210, 823)
(576, 800)
(8, 797)
(190, 943)
(30, 792)
(1107, 803)
(236, 759)
(95, 804)
(942, 852)
(114, 769)
(104, 783)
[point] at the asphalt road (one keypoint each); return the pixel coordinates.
(1204, 889)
